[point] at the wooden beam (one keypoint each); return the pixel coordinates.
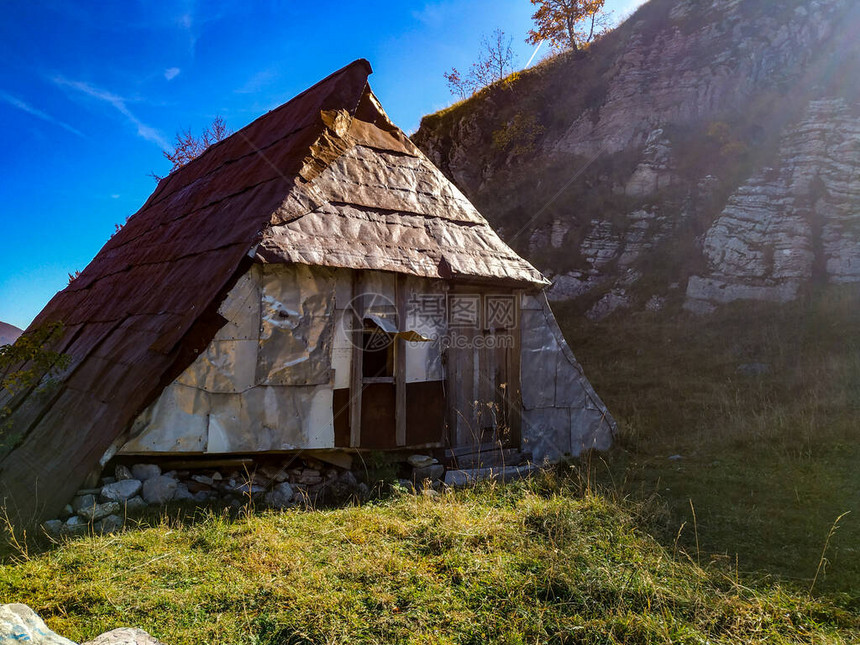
(356, 326)
(514, 390)
(400, 293)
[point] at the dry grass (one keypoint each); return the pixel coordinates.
(544, 561)
(769, 459)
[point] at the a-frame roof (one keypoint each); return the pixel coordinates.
(324, 179)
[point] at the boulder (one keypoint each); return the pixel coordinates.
(75, 525)
(182, 493)
(121, 491)
(431, 472)
(145, 471)
(122, 472)
(99, 511)
(124, 636)
(281, 496)
(54, 528)
(421, 461)
(159, 489)
(109, 524)
(20, 624)
(135, 505)
(83, 501)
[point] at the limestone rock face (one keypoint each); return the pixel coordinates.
(703, 152)
(656, 171)
(792, 224)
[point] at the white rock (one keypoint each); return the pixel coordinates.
(124, 636)
(20, 624)
(121, 490)
(159, 489)
(421, 461)
(145, 471)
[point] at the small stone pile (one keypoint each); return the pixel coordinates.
(140, 486)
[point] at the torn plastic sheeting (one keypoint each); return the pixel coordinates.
(395, 182)
(424, 362)
(272, 418)
(297, 326)
(241, 308)
(225, 366)
(590, 430)
(176, 422)
(546, 433)
(539, 351)
(350, 236)
(409, 335)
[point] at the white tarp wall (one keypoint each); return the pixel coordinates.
(562, 415)
(266, 381)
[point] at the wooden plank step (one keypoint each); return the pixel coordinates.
(505, 457)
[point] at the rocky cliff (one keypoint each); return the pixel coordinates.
(703, 152)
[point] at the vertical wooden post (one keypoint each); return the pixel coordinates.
(356, 383)
(514, 393)
(400, 362)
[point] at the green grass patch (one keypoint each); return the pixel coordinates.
(542, 561)
(759, 405)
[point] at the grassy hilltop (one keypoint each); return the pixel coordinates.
(543, 561)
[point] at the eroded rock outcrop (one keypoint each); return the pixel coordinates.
(701, 153)
(793, 224)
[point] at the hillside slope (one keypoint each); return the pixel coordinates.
(8, 333)
(701, 153)
(540, 561)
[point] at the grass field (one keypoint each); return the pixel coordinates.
(542, 561)
(751, 418)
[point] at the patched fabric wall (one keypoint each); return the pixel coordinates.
(562, 415)
(265, 381)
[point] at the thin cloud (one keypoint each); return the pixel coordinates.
(29, 109)
(119, 103)
(171, 72)
(257, 82)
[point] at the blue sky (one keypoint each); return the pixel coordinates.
(91, 92)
